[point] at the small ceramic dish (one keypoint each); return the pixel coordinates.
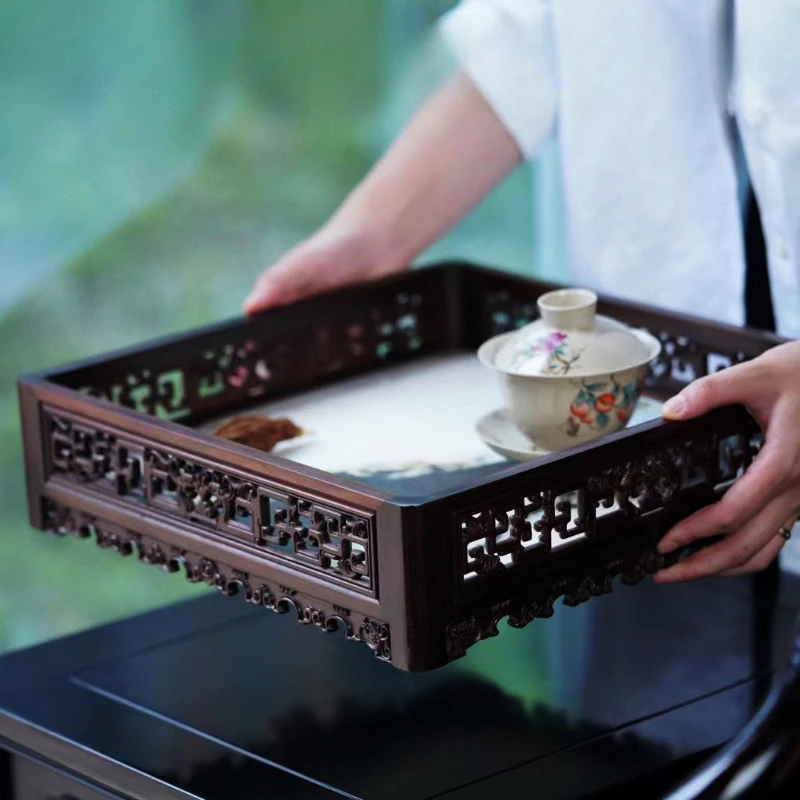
(498, 432)
(571, 376)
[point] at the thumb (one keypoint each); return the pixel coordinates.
(728, 387)
(280, 284)
(265, 293)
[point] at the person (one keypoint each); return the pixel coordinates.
(651, 102)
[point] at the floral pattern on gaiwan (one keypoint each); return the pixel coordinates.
(597, 404)
(555, 346)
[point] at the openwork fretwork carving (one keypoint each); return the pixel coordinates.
(516, 531)
(605, 524)
(63, 521)
(537, 598)
(683, 360)
(324, 538)
(253, 365)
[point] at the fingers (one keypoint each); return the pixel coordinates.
(279, 285)
(728, 387)
(331, 259)
(760, 484)
(764, 557)
(263, 295)
(760, 561)
(754, 510)
(741, 547)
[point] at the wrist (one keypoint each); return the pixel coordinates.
(369, 245)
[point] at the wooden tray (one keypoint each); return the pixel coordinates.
(419, 557)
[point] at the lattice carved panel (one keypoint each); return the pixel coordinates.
(333, 541)
(256, 365)
(522, 529)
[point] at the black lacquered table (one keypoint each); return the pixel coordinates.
(219, 700)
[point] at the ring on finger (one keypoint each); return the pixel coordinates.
(785, 531)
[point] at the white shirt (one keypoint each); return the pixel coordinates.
(645, 98)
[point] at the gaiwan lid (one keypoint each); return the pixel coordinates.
(571, 339)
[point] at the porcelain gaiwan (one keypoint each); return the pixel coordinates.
(573, 375)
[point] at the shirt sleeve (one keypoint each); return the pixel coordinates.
(506, 49)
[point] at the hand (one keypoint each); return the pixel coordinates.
(333, 257)
(767, 497)
(452, 153)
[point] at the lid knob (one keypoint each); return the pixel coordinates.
(569, 309)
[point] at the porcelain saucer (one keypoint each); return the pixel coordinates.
(500, 434)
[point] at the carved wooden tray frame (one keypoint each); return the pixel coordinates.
(110, 455)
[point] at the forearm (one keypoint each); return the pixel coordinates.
(452, 153)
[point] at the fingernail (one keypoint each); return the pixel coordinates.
(674, 408)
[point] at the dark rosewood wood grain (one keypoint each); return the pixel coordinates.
(112, 454)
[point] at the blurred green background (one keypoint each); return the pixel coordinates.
(155, 155)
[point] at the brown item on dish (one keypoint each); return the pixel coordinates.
(262, 433)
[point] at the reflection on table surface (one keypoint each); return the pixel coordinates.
(303, 700)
